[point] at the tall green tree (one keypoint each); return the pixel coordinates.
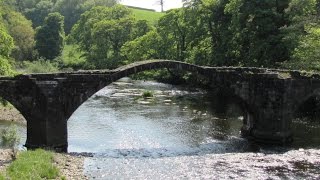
(148, 46)
(102, 31)
(72, 9)
(38, 12)
(23, 34)
(6, 45)
(50, 36)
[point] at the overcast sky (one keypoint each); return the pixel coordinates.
(152, 4)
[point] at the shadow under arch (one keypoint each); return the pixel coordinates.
(224, 99)
(306, 121)
(309, 107)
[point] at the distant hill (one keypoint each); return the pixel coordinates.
(146, 14)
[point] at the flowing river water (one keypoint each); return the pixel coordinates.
(176, 135)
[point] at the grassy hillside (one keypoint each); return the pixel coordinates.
(150, 16)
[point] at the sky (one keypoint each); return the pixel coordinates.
(152, 4)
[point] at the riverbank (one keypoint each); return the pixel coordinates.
(9, 113)
(70, 166)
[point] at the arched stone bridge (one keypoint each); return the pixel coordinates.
(268, 97)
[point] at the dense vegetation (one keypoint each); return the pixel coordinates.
(48, 35)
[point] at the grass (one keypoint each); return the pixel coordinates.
(34, 165)
(151, 16)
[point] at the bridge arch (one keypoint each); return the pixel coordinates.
(135, 68)
(125, 71)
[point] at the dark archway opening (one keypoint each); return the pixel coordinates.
(310, 109)
(227, 104)
(306, 123)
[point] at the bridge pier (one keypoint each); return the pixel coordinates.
(47, 122)
(47, 132)
(272, 115)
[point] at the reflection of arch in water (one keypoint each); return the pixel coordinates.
(224, 99)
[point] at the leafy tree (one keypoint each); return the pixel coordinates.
(6, 45)
(101, 32)
(38, 12)
(307, 54)
(141, 27)
(148, 46)
(71, 10)
(6, 42)
(50, 36)
(176, 28)
(256, 28)
(299, 18)
(23, 34)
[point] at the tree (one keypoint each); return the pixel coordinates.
(306, 55)
(38, 13)
(256, 31)
(6, 45)
(178, 30)
(6, 42)
(50, 36)
(23, 34)
(101, 32)
(72, 9)
(148, 46)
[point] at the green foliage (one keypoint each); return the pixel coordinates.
(6, 42)
(71, 57)
(146, 94)
(5, 67)
(23, 34)
(10, 137)
(101, 32)
(143, 48)
(39, 66)
(36, 164)
(50, 37)
(37, 11)
(72, 9)
(307, 54)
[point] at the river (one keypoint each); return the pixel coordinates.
(176, 135)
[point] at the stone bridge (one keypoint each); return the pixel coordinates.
(269, 98)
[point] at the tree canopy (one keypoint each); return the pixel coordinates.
(50, 37)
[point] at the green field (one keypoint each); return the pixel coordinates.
(151, 16)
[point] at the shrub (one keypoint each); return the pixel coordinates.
(39, 66)
(146, 94)
(10, 137)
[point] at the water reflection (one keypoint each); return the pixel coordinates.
(118, 117)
